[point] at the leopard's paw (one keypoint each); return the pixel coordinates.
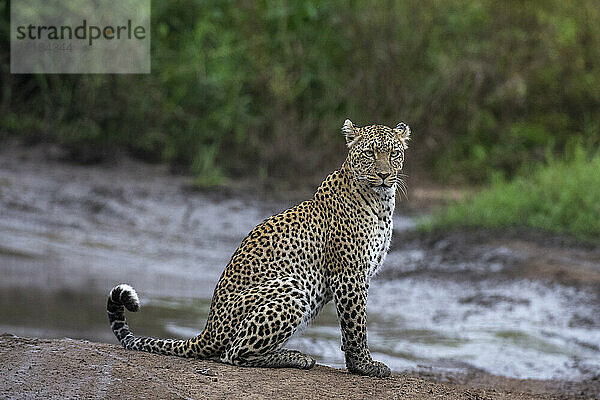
(371, 368)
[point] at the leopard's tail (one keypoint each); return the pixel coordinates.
(124, 296)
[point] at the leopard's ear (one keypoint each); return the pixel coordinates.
(403, 133)
(349, 132)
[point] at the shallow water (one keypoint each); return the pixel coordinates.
(69, 234)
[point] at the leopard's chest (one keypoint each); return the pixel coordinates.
(381, 237)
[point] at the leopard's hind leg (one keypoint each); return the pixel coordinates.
(258, 338)
(282, 359)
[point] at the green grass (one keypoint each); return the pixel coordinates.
(560, 196)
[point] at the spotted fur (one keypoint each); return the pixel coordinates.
(295, 262)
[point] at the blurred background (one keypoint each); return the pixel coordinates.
(113, 177)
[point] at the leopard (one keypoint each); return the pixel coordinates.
(292, 264)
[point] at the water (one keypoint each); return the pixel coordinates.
(67, 238)
(413, 324)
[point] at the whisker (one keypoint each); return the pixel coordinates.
(403, 191)
(402, 187)
(403, 183)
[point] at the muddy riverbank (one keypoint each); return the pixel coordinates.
(474, 307)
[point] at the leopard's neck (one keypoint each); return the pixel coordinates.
(342, 183)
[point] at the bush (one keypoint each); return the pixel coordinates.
(261, 88)
(560, 196)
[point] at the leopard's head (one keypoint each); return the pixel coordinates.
(376, 154)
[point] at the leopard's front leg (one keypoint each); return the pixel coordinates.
(350, 298)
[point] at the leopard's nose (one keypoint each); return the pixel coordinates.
(383, 176)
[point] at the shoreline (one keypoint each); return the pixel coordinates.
(68, 368)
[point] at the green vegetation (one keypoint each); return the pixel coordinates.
(559, 196)
(260, 88)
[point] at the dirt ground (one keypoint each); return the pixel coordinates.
(75, 369)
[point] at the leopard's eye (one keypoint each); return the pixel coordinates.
(395, 153)
(369, 153)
